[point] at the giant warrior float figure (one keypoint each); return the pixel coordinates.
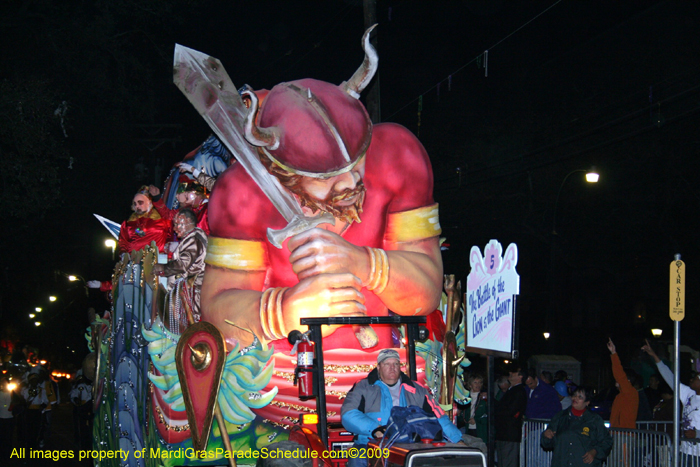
(381, 256)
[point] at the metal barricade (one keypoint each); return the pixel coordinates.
(689, 452)
(654, 425)
(640, 448)
(631, 448)
(531, 453)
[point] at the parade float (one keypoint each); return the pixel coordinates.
(170, 390)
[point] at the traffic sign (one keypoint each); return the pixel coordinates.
(677, 290)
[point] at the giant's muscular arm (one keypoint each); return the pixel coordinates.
(331, 274)
(415, 275)
(415, 278)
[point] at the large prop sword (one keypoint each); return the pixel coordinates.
(208, 87)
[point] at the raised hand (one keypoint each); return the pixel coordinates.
(321, 296)
(184, 167)
(611, 346)
(647, 348)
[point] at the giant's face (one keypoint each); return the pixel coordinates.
(141, 204)
(341, 195)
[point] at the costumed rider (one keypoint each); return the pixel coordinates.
(185, 272)
(382, 253)
(368, 404)
(192, 193)
(145, 225)
(199, 176)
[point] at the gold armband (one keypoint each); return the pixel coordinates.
(240, 255)
(271, 319)
(414, 225)
(378, 270)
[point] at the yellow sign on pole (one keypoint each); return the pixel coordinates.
(677, 290)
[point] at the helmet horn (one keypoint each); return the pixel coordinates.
(359, 81)
(261, 137)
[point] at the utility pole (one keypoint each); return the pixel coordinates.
(373, 104)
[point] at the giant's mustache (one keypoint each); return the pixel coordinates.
(345, 194)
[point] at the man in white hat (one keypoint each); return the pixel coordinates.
(368, 404)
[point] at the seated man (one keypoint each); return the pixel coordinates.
(185, 271)
(368, 404)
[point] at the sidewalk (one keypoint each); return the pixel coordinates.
(61, 440)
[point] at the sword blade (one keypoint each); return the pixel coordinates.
(208, 87)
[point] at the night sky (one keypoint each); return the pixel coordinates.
(570, 85)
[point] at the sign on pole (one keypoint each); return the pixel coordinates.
(492, 287)
(677, 290)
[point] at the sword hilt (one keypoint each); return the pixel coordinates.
(296, 226)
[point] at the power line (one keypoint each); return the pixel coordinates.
(476, 58)
(488, 179)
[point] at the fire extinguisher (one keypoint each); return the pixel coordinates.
(304, 371)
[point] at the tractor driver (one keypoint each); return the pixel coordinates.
(368, 404)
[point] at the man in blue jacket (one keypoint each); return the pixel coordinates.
(367, 407)
(543, 399)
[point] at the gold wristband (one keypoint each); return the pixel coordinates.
(263, 314)
(271, 317)
(378, 270)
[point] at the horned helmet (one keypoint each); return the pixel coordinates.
(314, 128)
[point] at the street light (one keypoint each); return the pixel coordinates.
(52, 298)
(111, 243)
(31, 315)
(552, 314)
(37, 323)
(656, 332)
(546, 335)
(38, 309)
(75, 278)
(592, 176)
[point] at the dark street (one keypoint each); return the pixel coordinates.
(60, 444)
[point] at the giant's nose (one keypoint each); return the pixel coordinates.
(346, 181)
